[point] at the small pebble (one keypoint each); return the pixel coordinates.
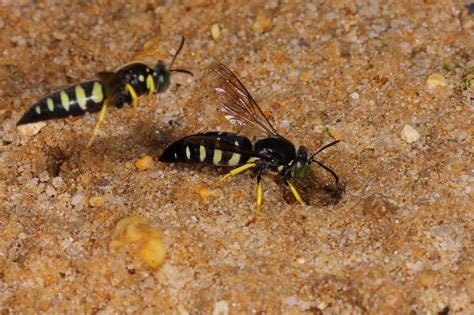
(435, 80)
(57, 182)
(44, 176)
(133, 229)
(221, 308)
(291, 300)
(355, 95)
(50, 191)
(18, 40)
(300, 260)
(181, 310)
(22, 236)
(458, 134)
(31, 129)
(410, 134)
(262, 24)
(144, 163)
(97, 202)
(427, 279)
(304, 76)
(203, 192)
(59, 36)
(236, 194)
(77, 199)
(469, 284)
(153, 251)
(215, 32)
(379, 206)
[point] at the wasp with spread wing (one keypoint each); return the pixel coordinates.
(118, 88)
(272, 153)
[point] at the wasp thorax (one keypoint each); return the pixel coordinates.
(161, 76)
(300, 166)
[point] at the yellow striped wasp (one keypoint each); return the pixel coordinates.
(272, 153)
(118, 88)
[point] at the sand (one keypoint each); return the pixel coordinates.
(395, 237)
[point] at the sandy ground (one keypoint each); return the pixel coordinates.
(395, 237)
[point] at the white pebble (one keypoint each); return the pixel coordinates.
(435, 80)
(410, 134)
(44, 176)
(221, 308)
(291, 300)
(50, 191)
(443, 230)
(31, 129)
(300, 260)
(57, 182)
(215, 31)
(77, 199)
(355, 95)
(331, 16)
(417, 266)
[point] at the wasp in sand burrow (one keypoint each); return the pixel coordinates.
(118, 88)
(272, 153)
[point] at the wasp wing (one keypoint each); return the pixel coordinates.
(239, 106)
(212, 143)
(105, 75)
(114, 85)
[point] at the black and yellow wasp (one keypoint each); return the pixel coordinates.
(273, 153)
(118, 88)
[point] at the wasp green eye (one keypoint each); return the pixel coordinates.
(299, 169)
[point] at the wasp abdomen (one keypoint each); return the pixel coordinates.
(72, 101)
(189, 150)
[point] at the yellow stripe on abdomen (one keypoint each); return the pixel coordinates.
(64, 100)
(50, 103)
(97, 93)
(216, 159)
(188, 153)
(81, 97)
(202, 153)
(234, 160)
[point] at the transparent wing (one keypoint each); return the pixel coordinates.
(239, 106)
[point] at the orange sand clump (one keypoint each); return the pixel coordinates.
(134, 229)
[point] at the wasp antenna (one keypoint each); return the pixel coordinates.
(312, 159)
(177, 52)
(329, 170)
(182, 71)
(324, 148)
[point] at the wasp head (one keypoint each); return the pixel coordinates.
(161, 75)
(300, 166)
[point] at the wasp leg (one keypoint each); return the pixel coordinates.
(294, 191)
(259, 195)
(237, 170)
(97, 124)
(134, 96)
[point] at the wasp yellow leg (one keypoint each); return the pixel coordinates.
(97, 124)
(134, 96)
(259, 196)
(237, 170)
(294, 191)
